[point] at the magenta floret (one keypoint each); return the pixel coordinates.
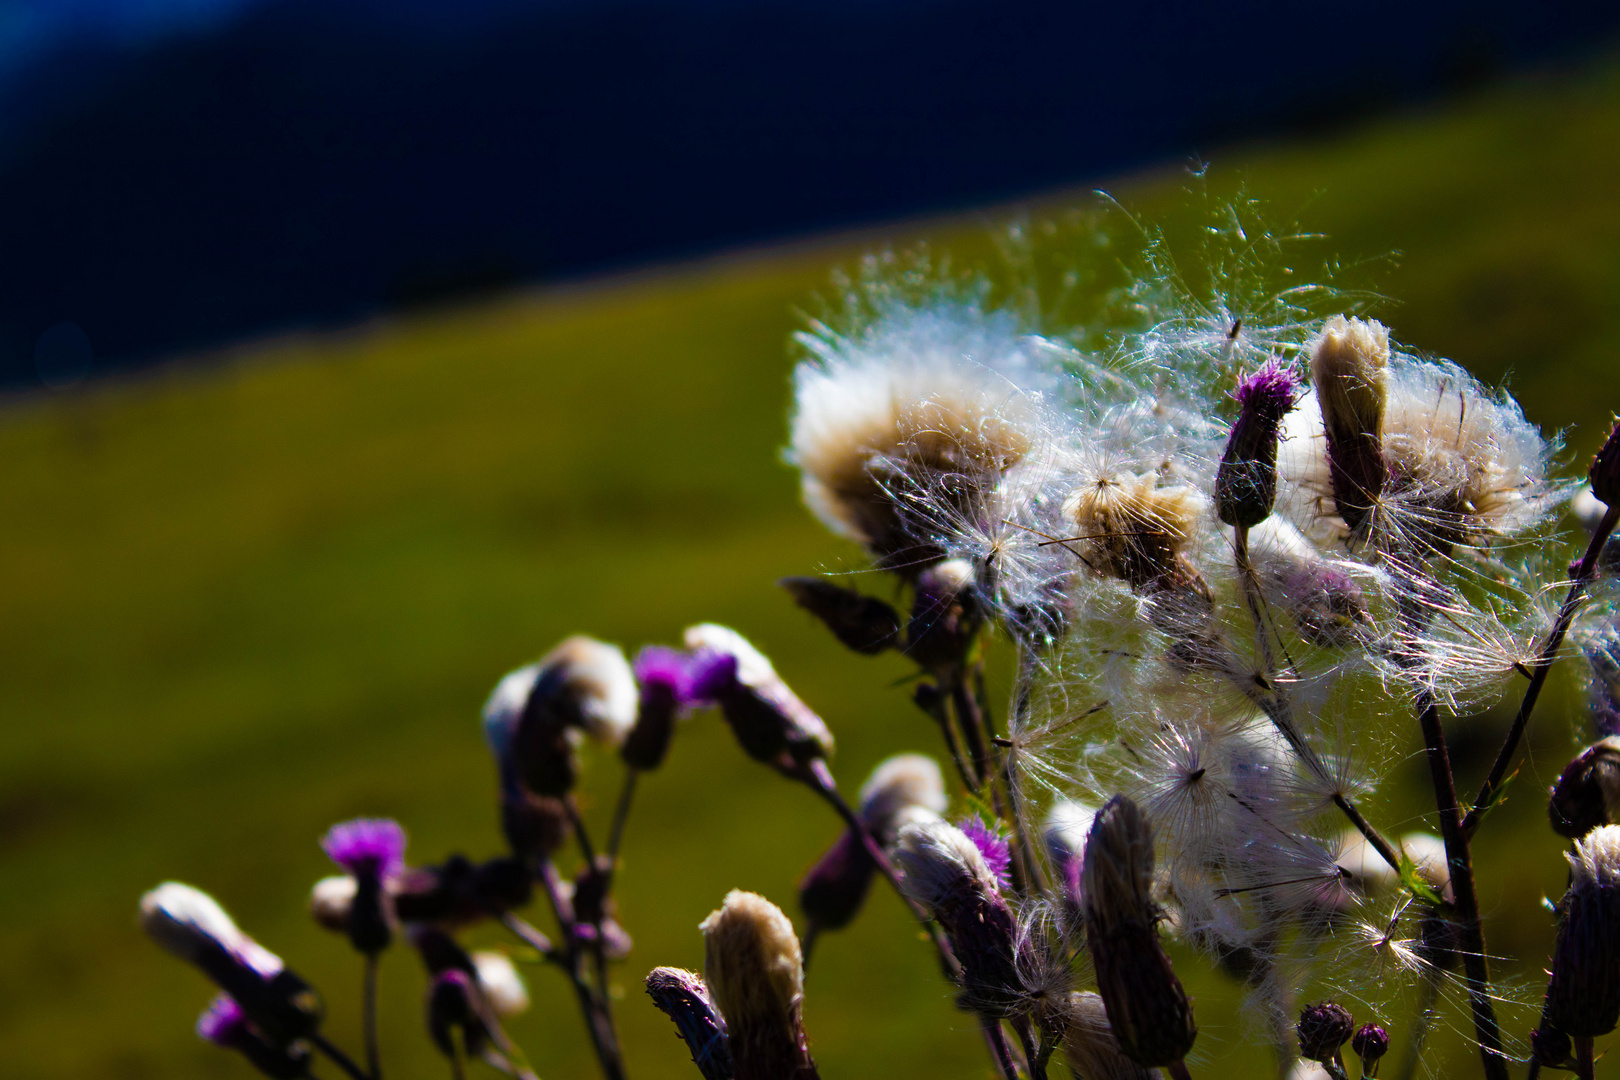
(367, 846)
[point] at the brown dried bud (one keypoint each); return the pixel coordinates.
(683, 997)
(1147, 1008)
(770, 722)
(1604, 474)
(1348, 364)
(1588, 790)
(755, 972)
(863, 624)
(1583, 994)
(1322, 1029)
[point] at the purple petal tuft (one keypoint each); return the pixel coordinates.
(710, 676)
(221, 1021)
(1269, 392)
(665, 673)
(997, 855)
(367, 846)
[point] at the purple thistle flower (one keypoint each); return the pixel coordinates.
(663, 671)
(1270, 392)
(367, 846)
(222, 1022)
(1246, 483)
(992, 845)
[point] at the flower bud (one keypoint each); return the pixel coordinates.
(1349, 362)
(1588, 790)
(224, 1024)
(683, 997)
(1550, 1047)
(1246, 482)
(191, 925)
(768, 719)
(1583, 994)
(533, 824)
(1370, 1042)
(942, 620)
(456, 1005)
(1147, 1008)
(1322, 1030)
(372, 850)
(946, 872)
(503, 986)
(1604, 475)
(755, 973)
(862, 624)
(1602, 650)
(897, 785)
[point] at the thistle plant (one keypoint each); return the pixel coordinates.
(1229, 549)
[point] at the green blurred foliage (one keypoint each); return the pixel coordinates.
(243, 599)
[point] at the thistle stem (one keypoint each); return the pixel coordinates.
(1585, 1065)
(339, 1058)
(1178, 1070)
(999, 1050)
(820, 779)
(1584, 572)
(1460, 863)
(368, 1013)
(621, 814)
(598, 1019)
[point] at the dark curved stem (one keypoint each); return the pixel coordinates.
(369, 1015)
(1178, 1070)
(1538, 676)
(1461, 866)
(621, 814)
(999, 1050)
(820, 779)
(339, 1058)
(598, 1021)
(1585, 1065)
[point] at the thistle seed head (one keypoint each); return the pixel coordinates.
(501, 982)
(1131, 529)
(755, 973)
(1349, 363)
(1090, 1046)
(896, 785)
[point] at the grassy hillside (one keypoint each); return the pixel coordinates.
(242, 600)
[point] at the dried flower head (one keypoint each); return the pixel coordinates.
(915, 413)
(1129, 528)
(755, 973)
(683, 997)
(1090, 1046)
(896, 785)
(501, 982)
(1349, 362)
(330, 900)
(1147, 1008)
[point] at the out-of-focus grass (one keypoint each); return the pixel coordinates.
(241, 601)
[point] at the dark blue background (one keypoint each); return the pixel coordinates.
(292, 162)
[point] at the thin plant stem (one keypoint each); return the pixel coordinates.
(531, 937)
(339, 1058)
(621, 814)
(807, 944)
(598, 1021)
(369, 1014)
(1178, 1070)
(968, 716)
(458, 1067)
(1584, 572)
(1585, 1065)
(1251, 594)
(999, 1050)
(1034, 874)
(1460, 864)
(1032, 1051)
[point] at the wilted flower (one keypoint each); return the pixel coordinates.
(1349, 363)
(224, 1024)
(946, 873)
(755, 973)
(683, 997)
(1147, 1009)
(769, 720)
(191, 925)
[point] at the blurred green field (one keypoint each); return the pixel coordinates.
(243, 599)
